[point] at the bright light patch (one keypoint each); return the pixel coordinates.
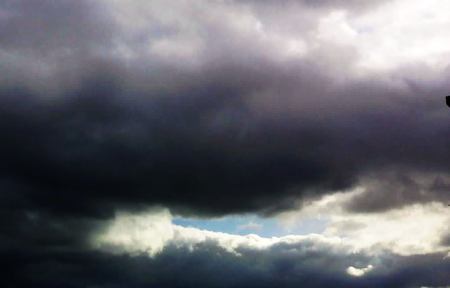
(358, 272)
(136, 233)
(414, 229)
(403, 32)
(149, 233)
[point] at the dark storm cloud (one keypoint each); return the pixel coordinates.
(401, 188)
(118, 132)
(101, 110)
(95, 147)
(208, 265)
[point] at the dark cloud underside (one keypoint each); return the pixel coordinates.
(211, 266)
(204, 146)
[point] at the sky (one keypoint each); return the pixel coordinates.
(224, 143)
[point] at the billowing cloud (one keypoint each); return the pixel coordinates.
(321, 261)
(358, 272)
(150, 232)
(214, 108)
(209, 265)
(409, 230)
(172, 108)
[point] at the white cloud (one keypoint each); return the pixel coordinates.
(397, 33)
(413, 229)
(136, 233)
(358, 272)
(150, 232)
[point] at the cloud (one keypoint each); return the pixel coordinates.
(213, 259)
(417, 229)
(408, 230)
(137, 234)
(401, 188)
(217, 108)
(185, 115)
(146, 249)
(358, 272)
(211, 266)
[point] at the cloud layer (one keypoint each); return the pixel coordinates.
(214, 108)
(184, 114)
(147, 250)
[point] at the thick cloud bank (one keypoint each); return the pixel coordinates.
(213, 108)
(119, 103)
(147, 250)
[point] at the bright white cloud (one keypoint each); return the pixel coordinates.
(414, 229)
(395, 34)
(358, 272)
(150, 232)
(135, 234)
(401, 32)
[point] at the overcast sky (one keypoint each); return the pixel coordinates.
(225, 143)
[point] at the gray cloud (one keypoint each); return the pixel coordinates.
(400, 188)
(236, 107)
(287, 265)
(233, 123)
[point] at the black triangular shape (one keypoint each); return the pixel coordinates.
(447, 99)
